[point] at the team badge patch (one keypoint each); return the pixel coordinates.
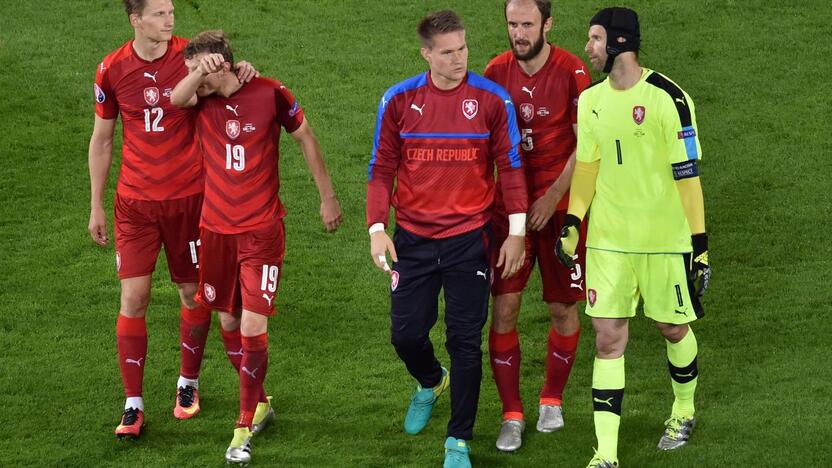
(232, 129)
(151, 96)
(100, 97)
(638, 114)
(591, 296)
(527, 111)
(470, 108)
(210, 292)
(394, 280)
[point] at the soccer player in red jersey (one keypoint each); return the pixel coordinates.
(438, 138)
(158, 197)
(544, 82)
(241, 227)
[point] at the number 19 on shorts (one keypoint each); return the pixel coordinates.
(268, 282)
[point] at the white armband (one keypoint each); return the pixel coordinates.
(377, 227)
(517, 224)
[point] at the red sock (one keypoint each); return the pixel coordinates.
(559, 360)
(504, 350)
(131, 337)
(193, 333)
(232, 341)
(252, 373)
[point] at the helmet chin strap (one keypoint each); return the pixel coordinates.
(623, 33)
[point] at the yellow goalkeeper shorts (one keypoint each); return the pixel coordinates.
(616, 281)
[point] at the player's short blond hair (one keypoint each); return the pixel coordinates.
(438, 22)
(210, 42)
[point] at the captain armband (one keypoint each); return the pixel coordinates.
(685, 170)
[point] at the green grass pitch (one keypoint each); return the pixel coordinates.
(758, 72)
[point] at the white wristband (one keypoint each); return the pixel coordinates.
(517, 224)
(378, 227)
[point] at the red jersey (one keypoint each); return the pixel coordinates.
(441, 147)
(547, 107)
(160, 156)
(240, 138)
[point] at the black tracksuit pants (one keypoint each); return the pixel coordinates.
(458, 265)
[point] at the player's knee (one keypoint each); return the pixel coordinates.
(229, 322)
(134, 303)
(672, 333)
(563, 311)
(610, 345)
(401, 339)
(465, 351)
(187, 291)
(506, 312)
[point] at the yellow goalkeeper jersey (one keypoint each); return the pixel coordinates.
(637, 134)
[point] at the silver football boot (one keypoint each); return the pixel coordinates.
(511, 435)
(262, 417)
(676, 432)
(550, 419)
(239, 452)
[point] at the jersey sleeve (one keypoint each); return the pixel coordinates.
(587, 150)
(504, 146)
(384, 163)
(106, 106)
(680, 131)
(289, 112)
(580, 81)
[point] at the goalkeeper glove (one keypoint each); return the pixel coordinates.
(700, 270)
(568, 241)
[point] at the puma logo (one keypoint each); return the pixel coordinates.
(506, 362)
(417, 108)
(689, 374)
(192, 350)
(682, 100)
(607, 402)
(562, 358)
(250, 372)
(134, 361)
(235, 353)
(152, 77)
(680, 312)
(596, 114)
(482, 273)
(580, 71)
(530, 91)
(578, 285)
(268, 298)
(233, 109)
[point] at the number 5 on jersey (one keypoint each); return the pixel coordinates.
(235, 157)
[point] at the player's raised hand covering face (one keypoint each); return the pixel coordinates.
(447, 56)
(155, 21)
(596, 47)
(526, 29)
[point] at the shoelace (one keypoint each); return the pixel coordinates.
(675, 428)
(131, 415)
(186, 396)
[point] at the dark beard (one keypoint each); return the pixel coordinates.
(537, 46)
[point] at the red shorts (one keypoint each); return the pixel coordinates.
(560, 284)
(142, 227)
(241, 271)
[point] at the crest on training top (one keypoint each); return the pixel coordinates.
(592, 296)
(470, 108)
(232, 129)
(527, 111)
(151, 96)
(638, 114)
